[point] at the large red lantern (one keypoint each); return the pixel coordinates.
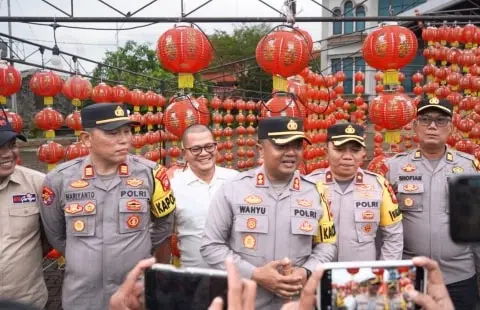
(283, 104)
(46, 84)
(102, 93)
(77, 88)
(184, 50)
(392, 111)
(10, 81)
(136, 98)
(119, 94)
(50, 153)
(181, 113)
(389, 48)
(283, 54)
(49, 120)
(76, 150)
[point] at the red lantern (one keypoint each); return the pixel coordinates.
(102, 93)
(392, 111)
(15, 121)
(46, 84)
(184, 50)
(10, 81)
(49, 120)
(76, 150)
(430, 35)
(119, 94)
(74, 122)
(180, 114)
(389, 48)
(77, 88)
(282, 53)
(50, 153)
(152, 100)
(283, 105)
(378, 165)
(136, 98)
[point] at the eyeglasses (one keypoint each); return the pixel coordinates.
(425, 120)
(197, 149)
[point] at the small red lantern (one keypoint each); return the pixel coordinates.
(102, 93)
(136, 98)
(74, 122)
(15, 121)
(76, 150)
(49, 120)
(50, 153)
(119, 94)
(180, 114)
(151, 100)
(46, 84)
(184, 50)
(389, 48)
(10, 81)
(283, 54)
(392, 111)
(283, 104)
(77, 88)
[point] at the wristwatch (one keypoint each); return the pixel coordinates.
(309, 273)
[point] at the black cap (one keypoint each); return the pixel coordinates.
(281, 129)
(342, 133)
(442, 105)
(106, 116)
(7, 133)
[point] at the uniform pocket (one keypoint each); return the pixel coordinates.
(133, 215)
(23, 220)
(410, 197)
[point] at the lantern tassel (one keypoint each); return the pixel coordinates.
(185, 80)
(50, 167)
(392, 136)
(3, 100)
(50, 134)
(77, 133)
(136, 108)
(76, 102)
(47, 101)
(390, 77)
(280, 83)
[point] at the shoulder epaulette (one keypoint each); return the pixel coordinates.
(68, 164)
(144, 161)
(465, 155)
(402, 154)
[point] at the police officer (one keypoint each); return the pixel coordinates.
(21, 274)
(270, 213)
(106, 211)
(421, 179)
(362, 202)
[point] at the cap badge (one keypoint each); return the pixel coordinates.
(350, 130)
(292, 125)
(434, 101)
(119, 112)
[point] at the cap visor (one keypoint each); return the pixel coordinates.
(6, 136)
(286, 139)
(117, 124)
(437, 107)
(343, 141)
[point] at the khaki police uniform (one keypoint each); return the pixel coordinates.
(250, 221)
(422, 192)
(21, 274)
(367, 206)
(104, 231)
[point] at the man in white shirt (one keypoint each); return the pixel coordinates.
(194, 187)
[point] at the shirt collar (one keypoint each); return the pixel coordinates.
(449, 156)
(191, 177)
(329, 179)
(88, 171)
(261, 179)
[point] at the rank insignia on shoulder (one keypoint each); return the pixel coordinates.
(409, 168)
(249, 241)
(418, 154)
(251, 223)
(134, 182)
(260, 179)
(123, 170)
(88, 171)
(457, 169)
(253, 199)
(306, 226)
(476, 164)
(89, 207)
(449, 157)
(296, 183)
(79, 184)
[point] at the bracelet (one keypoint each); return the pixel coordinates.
(309, 273)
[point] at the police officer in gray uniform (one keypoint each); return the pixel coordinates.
(421, 181)
(270, 213)
(362, 202)
(105, 211)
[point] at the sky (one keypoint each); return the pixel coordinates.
(94, 44)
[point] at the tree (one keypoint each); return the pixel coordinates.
(239, 45)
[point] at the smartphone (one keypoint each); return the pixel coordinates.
(369, 285)
(464, 208)
(170, 288)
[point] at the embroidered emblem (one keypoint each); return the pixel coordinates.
(25, 198)
(133, 221)
(368, 215)
(304, 203)
(249, 241)
(47, 196)
(134, 182)
(73, 208)
(253, 199)
(251, 223)
(306, 226)
(409, 168)
(79, 225)
(79, 184)
(134, 205)
(89, 207)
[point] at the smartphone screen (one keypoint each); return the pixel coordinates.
(369, 288)
(173, 290)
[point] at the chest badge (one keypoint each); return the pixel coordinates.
(410, 187)
(408, 202)
(73, 208)
(133, 221)
(409, 168)
(89, 207)
(251, 223)
(368, 215)
(249, 241)
(79, 225)
(306, 226)
(134, 182)
(367, 228)
(304, 203)
(457, 170)
(79, 184)
(253, 199)
(134, 205)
